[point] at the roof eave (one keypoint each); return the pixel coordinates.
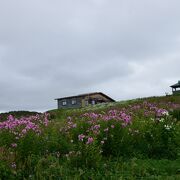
(82, 95)
(175, 86)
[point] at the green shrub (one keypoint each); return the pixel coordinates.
(176, 114)
(5, 171)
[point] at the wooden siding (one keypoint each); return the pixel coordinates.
(83, 100)
(69, 103)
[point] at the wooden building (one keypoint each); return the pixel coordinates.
(83, 100)
(176, 88)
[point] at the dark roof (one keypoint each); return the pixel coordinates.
(176, 85)
(87, 94)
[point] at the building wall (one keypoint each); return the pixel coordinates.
(69, 103)
(99, 96)
(82, 101)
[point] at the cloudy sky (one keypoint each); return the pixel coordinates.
(54, 48)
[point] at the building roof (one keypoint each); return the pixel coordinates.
(87, 94)
(176, 85)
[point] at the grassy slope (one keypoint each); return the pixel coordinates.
(62, 114)
(114, 168)
(125, 169)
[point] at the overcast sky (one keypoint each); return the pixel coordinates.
(54, 48)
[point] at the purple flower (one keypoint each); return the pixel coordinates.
(106, 130)
(112, 126)
(14, 145)
(81, 137)
(161, 112)
(96, 127)
(74, 125)
(90, 140)
(20, 127)
(13, 165)
(24, 131)
(11, 118)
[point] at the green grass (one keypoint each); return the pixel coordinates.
(132, 169)
(62, 114)
(154, 153)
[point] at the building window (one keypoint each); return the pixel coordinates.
(86, 103)
(93, 102)
(64, 103)
(73, 101)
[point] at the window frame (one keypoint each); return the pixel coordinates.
(73, 101)
(93, 102)
(64, 103)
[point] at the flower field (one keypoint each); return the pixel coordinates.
(130, 140)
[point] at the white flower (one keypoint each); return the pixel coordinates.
(161, 120)
(167, 127)
(165, 113)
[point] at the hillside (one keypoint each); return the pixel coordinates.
(17, 114)
(134, 139)
(61, 114)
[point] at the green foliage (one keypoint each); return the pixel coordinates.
(31, 144)
(161, 139)
(5, 171)
(147, 147)
(6, 138)
(55, 140)
(48, 168)
(176, 114)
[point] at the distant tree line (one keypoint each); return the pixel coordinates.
(17, 114)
